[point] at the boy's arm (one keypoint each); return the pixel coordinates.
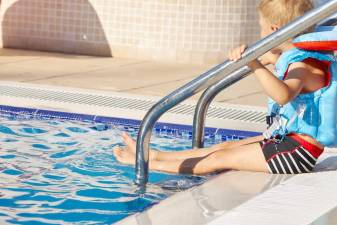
(269, 58)
(280, 91)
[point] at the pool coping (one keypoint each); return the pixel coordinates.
(240, 197)
(18, 94)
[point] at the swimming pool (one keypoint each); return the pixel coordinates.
(58, 167)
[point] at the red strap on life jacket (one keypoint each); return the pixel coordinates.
(317, 45)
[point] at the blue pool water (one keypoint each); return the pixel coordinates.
(57, 171)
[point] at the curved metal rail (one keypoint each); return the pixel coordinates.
(206, 99)
(332, 21)
(208, 96)
(213, 76)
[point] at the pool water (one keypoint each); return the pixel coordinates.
(55, 171)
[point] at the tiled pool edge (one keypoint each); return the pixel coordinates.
(121, 105)
(170, 128)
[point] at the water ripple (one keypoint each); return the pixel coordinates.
(58, 171)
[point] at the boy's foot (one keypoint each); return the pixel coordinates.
(127, 154)
(124, 156)
(129, 143)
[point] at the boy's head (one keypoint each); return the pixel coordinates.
(277, 13)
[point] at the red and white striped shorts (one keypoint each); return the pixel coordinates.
(292, 155)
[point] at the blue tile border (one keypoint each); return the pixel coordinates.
(169, 128)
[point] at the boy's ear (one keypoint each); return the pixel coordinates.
(274, 27)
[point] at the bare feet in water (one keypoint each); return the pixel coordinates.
(128, 153)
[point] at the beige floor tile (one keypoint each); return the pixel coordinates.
(125, 78)
(247, 92)
(115, 74)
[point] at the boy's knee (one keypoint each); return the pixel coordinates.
(219, 160)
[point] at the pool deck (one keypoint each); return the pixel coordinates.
(115, 74)
(247, 198)
(231, 198)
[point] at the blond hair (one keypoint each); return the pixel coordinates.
(281, 12)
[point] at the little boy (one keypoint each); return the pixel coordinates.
(299, 104)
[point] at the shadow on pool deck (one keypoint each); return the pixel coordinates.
(58, 26)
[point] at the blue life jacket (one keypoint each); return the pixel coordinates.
(313, 114)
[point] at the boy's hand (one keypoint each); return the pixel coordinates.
(236, 54)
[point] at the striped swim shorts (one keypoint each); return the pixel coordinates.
(292, 155)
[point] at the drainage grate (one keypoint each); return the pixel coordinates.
(102, 100)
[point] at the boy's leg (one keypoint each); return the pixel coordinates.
(246, 157)
(192, 153)
(201, 152)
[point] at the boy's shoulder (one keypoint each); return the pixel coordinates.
(296, 55)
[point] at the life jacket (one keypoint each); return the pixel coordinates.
(314, 113)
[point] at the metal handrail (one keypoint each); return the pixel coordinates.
(206, 99)
(210, 93)
(213, 76)
(329, 22)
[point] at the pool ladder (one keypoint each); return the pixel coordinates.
(214, 81)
